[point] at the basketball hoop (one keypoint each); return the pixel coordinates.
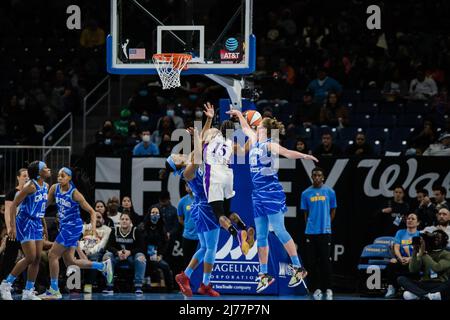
(169, 67)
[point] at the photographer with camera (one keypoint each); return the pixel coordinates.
(430, 258)
(443, 223)
(403, 250)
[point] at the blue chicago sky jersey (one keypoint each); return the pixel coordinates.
(267, 190)
(318, 202)
(68, 209)
(34, 205)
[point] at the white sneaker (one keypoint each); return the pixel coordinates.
(390, 293)
(407, 295)
(30, 295)
(317, 295)
(434, 296)
(108, 271)
(329, 294)
(5, 290)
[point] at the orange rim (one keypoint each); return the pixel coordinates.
(178, 59)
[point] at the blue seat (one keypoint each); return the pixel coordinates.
(418, 107)
(378, 254)
(389, 108)
(395, 145)
(373, 95)
(360, 120)
(381, 134)
(401, 133)
(384, 120)
(366, 107)
(385, 240)
(351, 96)
(410, 120)
(346, 134)
(376, 147)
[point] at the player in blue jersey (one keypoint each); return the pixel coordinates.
(68, 202)
(27, 227)
(269, 200)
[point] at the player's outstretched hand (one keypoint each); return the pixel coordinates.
(233, 112)
(190, 130)
(209, 110)
(310, 157)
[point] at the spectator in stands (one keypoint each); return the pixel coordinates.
(333, 113)
(92, 35)
(109, 133)
(146, 121)
(403, 250)
(170, 112)
(301, 146)
(100, 206)
(285, 72)
(162, 136)
(169, 214)
(322, 86)
(113, 210)
(327, 148)
(190, 237)
(442, 148)
(126, 247)
(127, 205)
(198, 114)
(94, 246)
(443, 223)
(422, 88)
(146, 147)
(133, 136)
(395, 88)
(360, 147)
(432, 262)
(421, 138)
(156, 240)
(308, 113)
(261, 68)
(439, 193)
(426, 210)
(121, 125)
(393, 216)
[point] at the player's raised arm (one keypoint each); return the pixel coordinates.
(195, 158)
(244, 125)
(209, 113)
(275, 148)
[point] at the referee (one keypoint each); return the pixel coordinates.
(12, 246)
(319, 204)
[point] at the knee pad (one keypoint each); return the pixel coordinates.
(277, 223)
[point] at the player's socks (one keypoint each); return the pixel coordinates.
(232, 230)
(29, 285)
(10, 278)
(296, 261)
(54, 284)
(98, 266)
(263, 268)
(206, 278)
(188, 272)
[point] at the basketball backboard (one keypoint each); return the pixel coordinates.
(217, 33)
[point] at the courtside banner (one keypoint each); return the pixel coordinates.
(362, 185)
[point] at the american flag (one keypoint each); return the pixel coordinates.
(136, 54)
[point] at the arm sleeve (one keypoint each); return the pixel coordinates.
(139, 245)
(112, 244)
(304, 202)
(440, 266)
(102, 244)
(333, 203)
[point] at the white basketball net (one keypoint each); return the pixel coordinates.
(169, 68)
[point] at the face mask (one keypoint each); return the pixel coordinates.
(146, 138)
(144, 118)
(170, 113)
(143, 93)
(198, 114)
(155, 218)
(108, 141)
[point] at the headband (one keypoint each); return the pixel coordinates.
(67, 171)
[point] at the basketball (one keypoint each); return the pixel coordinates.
(253, 118)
